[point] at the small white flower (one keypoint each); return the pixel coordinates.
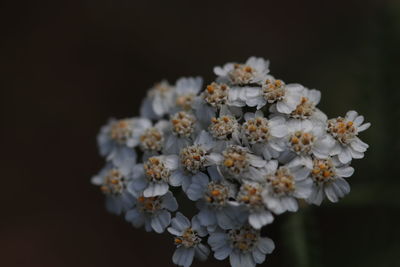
(345, 132)
(117, 139)
(306, 138)
(188, 240)
(154, 176)
(194, 159)
(152, 212)
(244, 246)
(113, 183)
(250, 196)
(327, 175)
(239, 163)
(251, 72)
(186, 90)
(284, 97)
(184, 127)
(306, 108)
(285, 184)
(213, 202)
(159, 101)
(152, 138)
(225, 129)
(265, 137)
(217, 97)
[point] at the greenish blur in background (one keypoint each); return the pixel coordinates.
(67, 66)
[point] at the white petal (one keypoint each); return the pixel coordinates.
(183, 256)
(351, 115)
(169, 202)
(345, 171)
(160, 221)
(222, 252)
(279, 131)
(156, 189)
(363, 127)
(180, 222)
(266, 245)
(177, 178)
(260, 219)
(345, 155)
(359, 120)
(135, 217)
(359, 145)
(218, 240)
(207, 217)
(201, 252)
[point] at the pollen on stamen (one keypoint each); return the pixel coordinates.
(342, 130)
(256, 130)
(304, 110)
(216, 94)
(242, 74)
(273, 90)
(223, 127)
(189, 238)
(149, 204)
(244, 238)
(250, 194)
(183, 124)
(121, 131)
(113, 183)
(323, 170)
(217, 194)
(282, 181)
(152, 140)
(301, 142)
(235, 160)
(193, 158)
(185, 101)
(155, 170)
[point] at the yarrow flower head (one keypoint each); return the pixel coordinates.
(243, 148)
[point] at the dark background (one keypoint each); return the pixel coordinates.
(66, 67)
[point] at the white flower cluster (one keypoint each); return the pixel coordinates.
(245, 149)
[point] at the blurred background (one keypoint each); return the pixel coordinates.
(67, 66)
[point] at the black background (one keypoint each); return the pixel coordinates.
(66, 67)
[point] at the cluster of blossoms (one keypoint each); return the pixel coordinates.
(245, 148)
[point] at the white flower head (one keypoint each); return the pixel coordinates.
(225, 128)
(188, 240)
(239, 163)
(152, 212)
(194, 160)
(251, 72)
(152, 138)
(307, 109)
(328, 180)
(284, 185)
(154, 176)
(284, 97)
(184, 127)
(117, 139)
(264, 136)
(250, 196)
(345, 132)
(113, 182)
(244, 246)
(307, 138)
(186, 91)
(213, 202)
(244, 150)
